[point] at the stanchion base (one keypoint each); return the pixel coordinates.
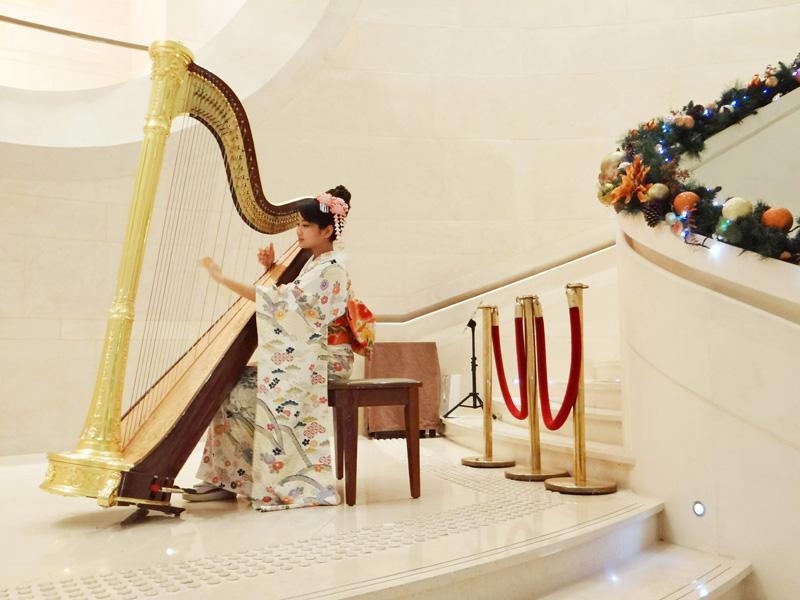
(567, 485)
(481, 462)
(526, 473)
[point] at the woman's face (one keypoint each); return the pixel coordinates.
(310, 235)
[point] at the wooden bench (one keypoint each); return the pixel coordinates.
(345, 399)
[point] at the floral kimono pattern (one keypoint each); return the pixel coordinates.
(271, 439)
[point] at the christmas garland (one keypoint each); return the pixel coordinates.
(644, 174)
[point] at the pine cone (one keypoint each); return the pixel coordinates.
(654, 211)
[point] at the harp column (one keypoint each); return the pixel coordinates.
(93, 468)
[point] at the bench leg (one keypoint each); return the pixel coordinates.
(350, 414)
(412, 439)
(338, 440)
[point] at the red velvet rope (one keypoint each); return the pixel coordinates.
(522, 362)
(522, 412)
(574, 371)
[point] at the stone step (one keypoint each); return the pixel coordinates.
(602, 425)
(605, 461)
(662, 572)
(609, 371)
(597, 393)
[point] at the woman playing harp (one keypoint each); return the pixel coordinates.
(271, 439)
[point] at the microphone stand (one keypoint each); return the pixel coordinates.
(473, 396)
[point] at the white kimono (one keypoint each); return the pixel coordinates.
(271, 439)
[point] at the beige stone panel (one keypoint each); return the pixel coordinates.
(477, 108)
(378, 274)
(603, 49)
(557, 178)
(77, 281)
(390, 178)
(330, 103)
(391, 48)
(52, 218)
(526, 13)
(521, 108)
(13, 256)
(479, 180)
(484, 52)
(397, 104)
(84, 329)
(115, 190)
(28, 329)
(39, 185)
(48, 385)
(442, 13)
(692, 8)
(742, 36)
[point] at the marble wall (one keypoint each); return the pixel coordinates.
(468, 131)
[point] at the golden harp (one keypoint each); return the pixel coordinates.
(133, 458)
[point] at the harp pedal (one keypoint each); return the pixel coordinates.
(158, 489)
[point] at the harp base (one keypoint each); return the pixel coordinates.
(79, 474)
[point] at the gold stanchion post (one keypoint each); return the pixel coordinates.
(490, 316)
(579, 484)
(533, 471)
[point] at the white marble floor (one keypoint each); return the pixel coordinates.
(56, 547)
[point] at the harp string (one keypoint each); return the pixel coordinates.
(185, 266)
(184, 270)
(159, 343)
(157, 311)
(145, 348)
(199, 219)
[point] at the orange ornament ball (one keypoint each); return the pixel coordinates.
(685, 202)
(780, 218)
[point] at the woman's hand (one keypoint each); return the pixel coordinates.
(243, 289)
(213, 268)
(266, 256)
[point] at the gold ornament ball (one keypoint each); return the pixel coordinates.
(688, 121)
(737, 207)
(779, 218)
(608, 166)
(771, 81)
(658, 191)
(685, 202)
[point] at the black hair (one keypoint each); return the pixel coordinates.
(310, 211)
